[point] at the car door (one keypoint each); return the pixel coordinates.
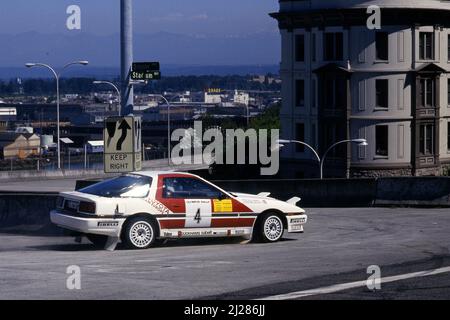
(198, 196)
(189, 197)
(195, 203)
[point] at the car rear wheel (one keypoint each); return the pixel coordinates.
(98, 240)
(270, 228)
(139, 233)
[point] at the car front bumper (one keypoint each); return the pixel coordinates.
(295, 223)
(96, 225)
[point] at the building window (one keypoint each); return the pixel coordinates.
(300, 136)
(382, 46)
(313, 47)
(427, 93)
(426, 46)
(300, 48)
(448, 136)
(448, 91)
(335, 93)
(333, 46)
(382, 93)
(426, 139)
(448, 47)
(300, 93)
(313, 93)
(381, 141)
(333, 134)
(313, 135)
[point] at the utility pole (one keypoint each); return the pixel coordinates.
(126, 50)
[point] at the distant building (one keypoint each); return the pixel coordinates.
(25, 130)
(390, 86)
(95, 146)
(213, 98)
(8, 114)
(241, 98)
(18, 146)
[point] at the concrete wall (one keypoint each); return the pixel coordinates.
(426, 191)
(27, 212)
(314, 193)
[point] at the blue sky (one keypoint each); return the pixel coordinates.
(101, 17)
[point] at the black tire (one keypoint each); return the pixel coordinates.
(269, 228)
(98, 240)
(139, 233)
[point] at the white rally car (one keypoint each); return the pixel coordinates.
(143, 207)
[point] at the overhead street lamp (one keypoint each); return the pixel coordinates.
(361, 142)
(115, 88)
(57, 77)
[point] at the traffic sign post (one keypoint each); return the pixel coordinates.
(122, 140)
(145, 71)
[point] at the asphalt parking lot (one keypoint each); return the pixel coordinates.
(337, 247)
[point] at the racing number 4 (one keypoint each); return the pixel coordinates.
(198, 213)
(198, 217)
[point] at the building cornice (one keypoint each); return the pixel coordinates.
(358, 17)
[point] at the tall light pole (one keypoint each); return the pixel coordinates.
(361, 142)
(126, 53)
(57, 77)
(168, 124)
(115, 88)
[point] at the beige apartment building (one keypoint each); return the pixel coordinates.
(342, 80)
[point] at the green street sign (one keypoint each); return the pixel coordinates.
(145, 71)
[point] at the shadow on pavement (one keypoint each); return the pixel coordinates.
(87, 246)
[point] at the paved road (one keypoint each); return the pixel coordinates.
(337, 247)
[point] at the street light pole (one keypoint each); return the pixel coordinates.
(126, 53)
(57, 77)
(361, 142)
(115, 88)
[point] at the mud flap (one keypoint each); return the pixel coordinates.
(111, 243)
(246, 239)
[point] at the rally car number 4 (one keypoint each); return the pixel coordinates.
(138, 209)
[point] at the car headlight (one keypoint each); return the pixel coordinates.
(87, 207)
(60, 202)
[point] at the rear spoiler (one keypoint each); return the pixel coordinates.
(264, 194)
(294, 200)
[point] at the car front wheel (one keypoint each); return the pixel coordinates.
(139, 233)
(270, 228)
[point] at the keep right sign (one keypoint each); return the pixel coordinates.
(122, 137)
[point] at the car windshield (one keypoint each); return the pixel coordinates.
(126, 186)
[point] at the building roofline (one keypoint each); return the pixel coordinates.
(358, 17)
